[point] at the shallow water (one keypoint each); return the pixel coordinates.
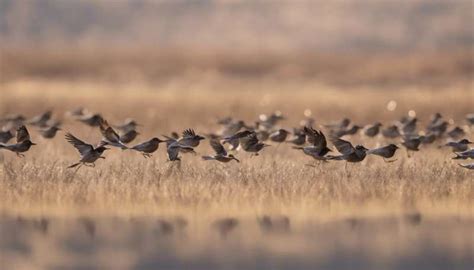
(409, 241)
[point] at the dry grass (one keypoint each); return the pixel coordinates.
(321, 202)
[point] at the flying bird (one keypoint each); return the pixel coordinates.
(250, 143)
(386, 152)
(468, 166)
(23, 142)
(110, 136)
(348, 152)
(88, 153)
(318, 148)
(459, 146)
(221, 154)
(148, 147)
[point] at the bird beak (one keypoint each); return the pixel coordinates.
(105, 148)
(236, 160)
(32, 143)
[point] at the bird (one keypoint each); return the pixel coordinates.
(391, 132)
(456, 133)
(23, 142)
(279, 135)
(92, 120)
(386, 152)
(344, 131)
(5, 136)
(459, 146)
(467, 166)
(189, 138)
(465, 154)
(412, 142)
(343, 124)
(372, 130)
(49, 132)
(128, 136)
(128, 125)
(250, 143)
(234, 140)
(110, 136)
(348, 152)
(299, 137)
(88, 153)
(41, 120)
(408, 125)
(148, 147)
(221, 154)
(173, 149)
(318, 148)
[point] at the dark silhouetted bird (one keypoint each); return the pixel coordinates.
(23, 142)
(279, 136)
(348, 152)
(110, 136)
(128, 136)
(372, 130)
(221, 154)
(49, 132)
(234, 140)
(250, 143)
(41, 120)
(128, 125)
(92, 120)
(189, 138)
(456, 133)
(148, 147)
(318, 148)
(386, 152)
(5, 136)
(459, 146)
(88, 153)
(465, 154)
(174, 148)
(299, 137)
(391, 132)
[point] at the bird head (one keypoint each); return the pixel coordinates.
(30, 142)
(200, 137)
(465, 141)
(361, 148)
(157, 140)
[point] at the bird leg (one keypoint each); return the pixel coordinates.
(20, 155)
(146, 155)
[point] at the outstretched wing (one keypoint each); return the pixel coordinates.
(188, 133)
(344, 147)
(22, 134)
(218, 148)
(108, 132)
(315, 137)
(81, 146)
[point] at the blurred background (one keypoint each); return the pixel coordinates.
(336, 42)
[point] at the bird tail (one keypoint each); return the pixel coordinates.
(74, 165)
(207, 158)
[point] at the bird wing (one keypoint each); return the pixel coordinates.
(188, 133)
(315, 137)
(22, 134)
(344, 147)
(218, 148)
(108, 132)
(173, 151)
(81, 146)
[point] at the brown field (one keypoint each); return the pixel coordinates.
(415, 213)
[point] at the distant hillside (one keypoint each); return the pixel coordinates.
(241, 25)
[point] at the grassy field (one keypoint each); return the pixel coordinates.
(411, 214)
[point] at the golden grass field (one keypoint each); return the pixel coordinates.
(129, 212)
(135, 213)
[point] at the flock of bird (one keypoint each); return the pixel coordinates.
(235, 135)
